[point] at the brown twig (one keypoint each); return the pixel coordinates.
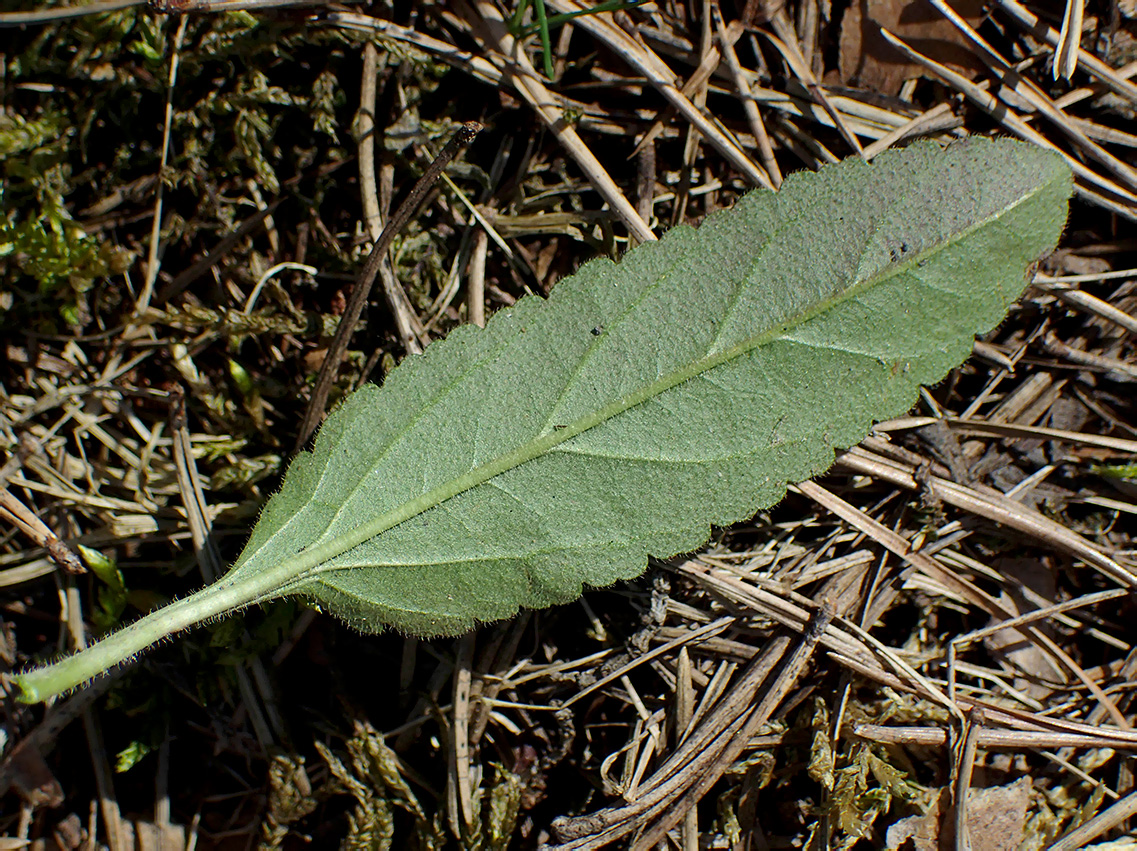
(362, 289)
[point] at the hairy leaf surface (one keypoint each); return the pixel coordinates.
(643, 402)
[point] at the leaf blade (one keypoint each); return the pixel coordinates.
(645, 393)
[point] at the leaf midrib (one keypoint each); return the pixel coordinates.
(309, 563)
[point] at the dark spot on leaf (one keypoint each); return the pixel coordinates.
(596, 331)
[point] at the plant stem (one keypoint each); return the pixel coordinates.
(221, 598)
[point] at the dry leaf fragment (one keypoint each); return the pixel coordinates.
(867, 60)
(996, 820)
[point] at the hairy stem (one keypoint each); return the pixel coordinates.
(216, 600)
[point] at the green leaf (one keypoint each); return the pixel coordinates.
(570, 439)
(130, 756)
